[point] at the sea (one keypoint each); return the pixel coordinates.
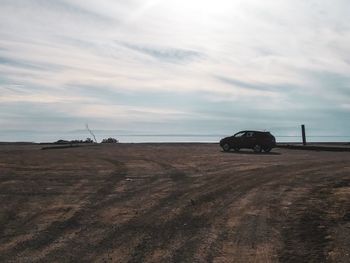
(42, 137)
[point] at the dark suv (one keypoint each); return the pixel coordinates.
(255, 140)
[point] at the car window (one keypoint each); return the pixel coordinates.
(240, 134)
(250, 134)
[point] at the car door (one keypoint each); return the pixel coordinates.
(250, 139)
(238, 140)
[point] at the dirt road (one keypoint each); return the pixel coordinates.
(173, 203)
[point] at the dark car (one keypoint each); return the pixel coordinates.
(256, 140)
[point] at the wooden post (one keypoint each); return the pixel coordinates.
(303, 134)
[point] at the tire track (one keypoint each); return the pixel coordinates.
(57, 229)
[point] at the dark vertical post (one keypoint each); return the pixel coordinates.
(303, 134)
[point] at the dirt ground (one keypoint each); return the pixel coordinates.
(173, 203)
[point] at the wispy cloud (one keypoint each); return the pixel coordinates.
(173, 55)
(263, 87)
(61, 8)
(13, 62)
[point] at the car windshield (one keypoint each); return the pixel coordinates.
(240, 134)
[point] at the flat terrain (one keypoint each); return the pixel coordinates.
(173, 203)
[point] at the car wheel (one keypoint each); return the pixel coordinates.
(257, 148)
(226, 147)
(267, 149)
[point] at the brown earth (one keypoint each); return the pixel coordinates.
(173, 203)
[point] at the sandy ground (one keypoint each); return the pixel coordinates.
(173, 203)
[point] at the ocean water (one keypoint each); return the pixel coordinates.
(216, 138)
(27, 136)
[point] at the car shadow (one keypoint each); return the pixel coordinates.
(251, 152)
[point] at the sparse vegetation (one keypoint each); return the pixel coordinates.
(88, 140)
(110, 140)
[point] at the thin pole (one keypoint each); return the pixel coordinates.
(303, 134)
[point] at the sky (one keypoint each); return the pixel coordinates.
(174, 67)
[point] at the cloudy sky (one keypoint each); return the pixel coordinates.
(174, 67)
